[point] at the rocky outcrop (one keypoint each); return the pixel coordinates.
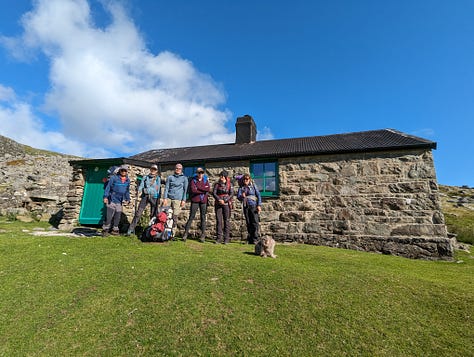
(33, 183)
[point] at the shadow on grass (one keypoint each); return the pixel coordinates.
(86, 232)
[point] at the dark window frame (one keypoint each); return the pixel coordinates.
(264, 178)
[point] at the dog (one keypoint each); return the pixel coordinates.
(169, 218)
(265, 247)
(169, 224)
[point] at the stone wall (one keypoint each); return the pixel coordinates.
(383, 202)
(34, 186)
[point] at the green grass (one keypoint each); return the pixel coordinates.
(116, 296)
(459, 219)
(462, 225)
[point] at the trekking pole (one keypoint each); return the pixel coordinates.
(259, 232)
(136, 202)
(241, 224)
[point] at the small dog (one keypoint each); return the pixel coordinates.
(169, 218)
(265, 247)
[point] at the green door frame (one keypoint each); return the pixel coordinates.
(92, 206)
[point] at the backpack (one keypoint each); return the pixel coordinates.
(240, 179)
(147, 182)
(159, 229)
(112, 170)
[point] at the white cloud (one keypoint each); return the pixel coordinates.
(109, 92)
(265, 134)
(18, 122)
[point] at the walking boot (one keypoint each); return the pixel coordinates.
(185, 236)
(202, 239)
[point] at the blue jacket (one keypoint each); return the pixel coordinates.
(176, 187)
(252, 195)
(116, 190)
(151, 187)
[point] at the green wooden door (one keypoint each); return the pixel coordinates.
(93, 208)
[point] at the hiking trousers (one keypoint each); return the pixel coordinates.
(192, 213)
(223, 223)
(114, 211)
(141, 207)
(252, 221)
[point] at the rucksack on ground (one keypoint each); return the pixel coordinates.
(160, 228)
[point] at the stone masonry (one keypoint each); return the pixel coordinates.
(34, 186)
(385, 202)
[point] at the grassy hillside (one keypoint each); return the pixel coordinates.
(458, 208)
(116, 296)
(9, 146)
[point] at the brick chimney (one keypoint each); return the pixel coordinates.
(245, 130)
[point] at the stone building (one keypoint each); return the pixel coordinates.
(373, 190)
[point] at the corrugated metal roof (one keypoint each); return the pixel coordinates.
(365, 141)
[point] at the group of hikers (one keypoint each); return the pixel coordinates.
(177, 188)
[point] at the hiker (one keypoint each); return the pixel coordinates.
(116, 193)
(223, 192)
(175, 190)
(149, 191)
(251, 200)
(198, 193)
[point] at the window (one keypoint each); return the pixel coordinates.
(265, 176)
(190, 170)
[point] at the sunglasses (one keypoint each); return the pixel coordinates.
(200, 172)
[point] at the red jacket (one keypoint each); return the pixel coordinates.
(199, 190)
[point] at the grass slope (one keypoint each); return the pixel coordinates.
(459, 217)
(116, 296)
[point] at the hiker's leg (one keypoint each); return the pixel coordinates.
(138, 214)
(153, 207)
(226, 219)
(219, 222)
(192, 214)
(253, 224)
(117, 214)
(248, 222)
(176, 207)
(202, 215)
(109, 215)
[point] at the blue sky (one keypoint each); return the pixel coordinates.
(114, 78)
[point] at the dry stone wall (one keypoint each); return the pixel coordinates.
(34, 186)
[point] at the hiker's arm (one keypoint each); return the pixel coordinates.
(185, 189)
